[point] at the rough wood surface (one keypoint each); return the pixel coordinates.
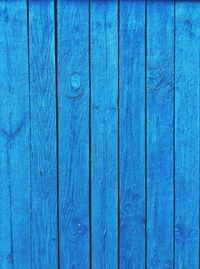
(187, 135)
(99, 134)
(15, 245)
(73, 122)
(160, 133)
(132, 129)
(104, 133)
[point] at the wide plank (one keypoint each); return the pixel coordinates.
(104, 133)
(73, 124)
(132, 134)
(15, 250)
(43, 135)
(160, 134)
(187, 135)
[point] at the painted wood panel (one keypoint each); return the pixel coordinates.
(73, 118)
(14, 137)
(132, 134)
(187, 135)
(104, 133)
(43, 135)
(99, 134)
(160, 133)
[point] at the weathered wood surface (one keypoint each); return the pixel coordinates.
(187, 135)
(15, 220)
(73, 132)
(99, 134)
(104, 133)
(132, 129)
(43, 167)
(160, 133)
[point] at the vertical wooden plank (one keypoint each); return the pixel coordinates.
(73, 96)
(43, 135)
(14, 137)
(104, 133)
(132, 134)
(160, 133)
(187, 135)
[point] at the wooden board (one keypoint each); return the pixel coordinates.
(73, 106)
(43, 135)
(160, 133)
(132, 134)
(104, 133)
(14, 137)
(187, 135)
(99, 134)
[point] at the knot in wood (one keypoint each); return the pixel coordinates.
(75, 91)
(75, 81)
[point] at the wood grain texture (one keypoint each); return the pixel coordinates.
(73, 97)
(187, 135)
(160, 133)
(43, 135)
(14, 137)
(99, 134)
(104, 133)
(132, 134)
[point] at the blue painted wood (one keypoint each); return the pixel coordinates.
(104, 133)
(43, 135)
(149, 143)
(132, 134)
(73, 98)
(187, 135)
(160, 133)
(14, 137)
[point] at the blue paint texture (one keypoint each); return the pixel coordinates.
(99, 134)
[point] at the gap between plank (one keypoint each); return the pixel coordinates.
(174, 146)
(90, 140)
(119, 223)
(145, 159)
(30, 131)
(57, 126)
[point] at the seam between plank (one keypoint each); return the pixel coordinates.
(119, 223)
(174, 139)
(90, 137)
(57, 127)
(145, 37)
(30, 130)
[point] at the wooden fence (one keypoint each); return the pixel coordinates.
(99, 134)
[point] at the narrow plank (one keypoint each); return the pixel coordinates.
(43, 135)
(73, 96)
(104, 133)
(160, 133)
(187, 135)
(14, 137)
(132, 134)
